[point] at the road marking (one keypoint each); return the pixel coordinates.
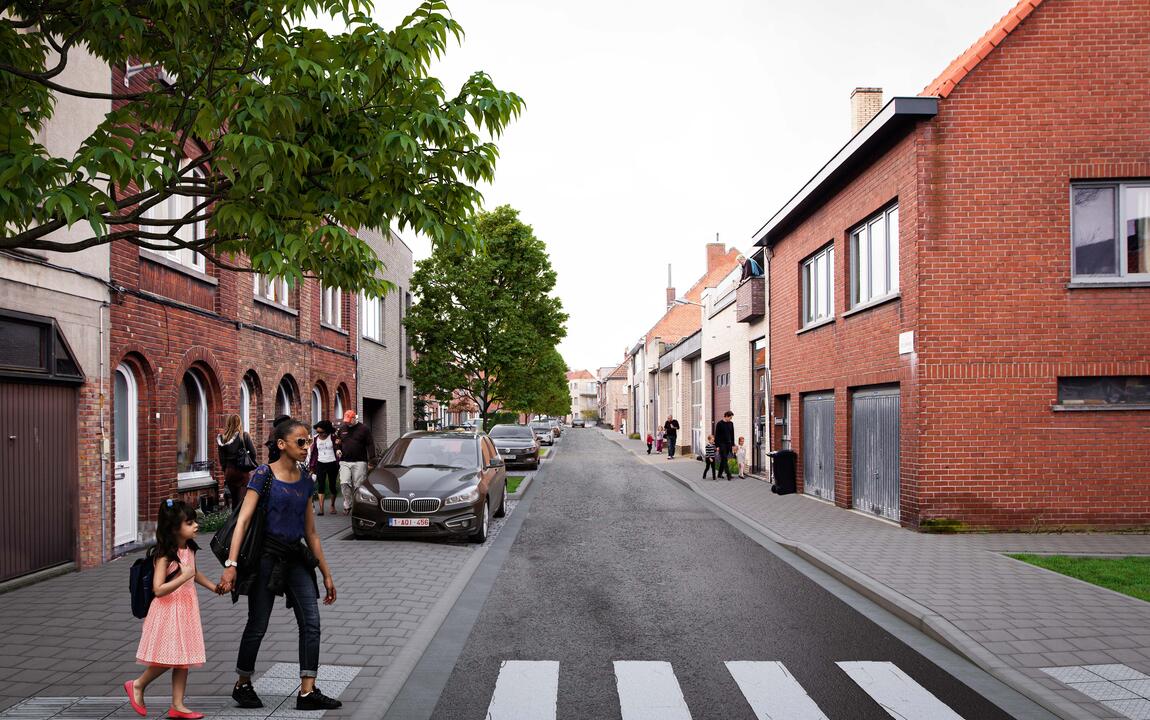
(649, 691)
(525, 689)
(773, 693)
(896, 692)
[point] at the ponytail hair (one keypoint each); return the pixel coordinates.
(173, 514)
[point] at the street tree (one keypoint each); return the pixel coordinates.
(485, 318)
(284, 137)
(542, 383)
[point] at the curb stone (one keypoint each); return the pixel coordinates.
(916, 615)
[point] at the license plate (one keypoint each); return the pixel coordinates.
(408, 522)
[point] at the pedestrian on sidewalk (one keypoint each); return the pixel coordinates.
(671, 432)
(709, 452)
(237, 457)
(322, 463)
(355, 448)
(290, 554)
(172, 637)
(650, 442)
(741, 457)
(725, 439)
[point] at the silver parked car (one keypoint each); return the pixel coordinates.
(543, 432)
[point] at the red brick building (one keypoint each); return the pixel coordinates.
(960, 300)
(190, 344)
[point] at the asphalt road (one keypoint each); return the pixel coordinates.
(617, 562)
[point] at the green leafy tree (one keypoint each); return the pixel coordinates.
(484, 318)
(284, 136)
(542, 383)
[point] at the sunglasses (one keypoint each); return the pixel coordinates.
(302, 442)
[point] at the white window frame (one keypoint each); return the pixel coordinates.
(283, 399)
(274, 290)
(866, 252)
(331, 306)
(372, 317)
(316, 405)
(246, 405)
(1120, 238)
(185, 479)
(821, 263)
(172, 208)
(338, 407)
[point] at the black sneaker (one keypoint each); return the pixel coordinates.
(245, 696)
(316, 700)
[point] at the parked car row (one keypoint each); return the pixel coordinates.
(446, 483)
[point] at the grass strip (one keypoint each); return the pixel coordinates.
(1127, 575)
(513, 482)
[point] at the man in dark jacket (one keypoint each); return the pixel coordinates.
(355, 447)
(725, 440)
(671, 433)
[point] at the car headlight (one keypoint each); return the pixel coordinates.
(466, 497)
(363, 495)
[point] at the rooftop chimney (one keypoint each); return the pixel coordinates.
(670, 288)
(865, 104)
(716, 251)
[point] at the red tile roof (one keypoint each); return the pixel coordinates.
(964, 64)
(580, 375)
(619, 373)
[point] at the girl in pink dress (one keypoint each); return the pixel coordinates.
(172, 638)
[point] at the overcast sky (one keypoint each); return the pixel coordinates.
(652, 125)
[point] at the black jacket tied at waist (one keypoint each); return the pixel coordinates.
(282, 555)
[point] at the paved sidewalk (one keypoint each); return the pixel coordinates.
(1010, 618)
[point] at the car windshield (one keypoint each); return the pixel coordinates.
(540, 426)
(511, 431)
(451, 452)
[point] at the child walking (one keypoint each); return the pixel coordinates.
(172, 638)
(741, 456)
(709, 452)
(650, 442)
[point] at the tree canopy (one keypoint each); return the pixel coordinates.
(485, 322)
(285, 138)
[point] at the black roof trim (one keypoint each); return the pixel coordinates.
(896, 117)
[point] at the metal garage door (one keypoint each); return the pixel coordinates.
(37, 477)
(818, 444)
(874, 445)
(720, 390)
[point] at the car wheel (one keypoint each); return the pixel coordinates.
(480, 534)
(502, 511)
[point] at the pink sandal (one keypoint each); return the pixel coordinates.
(130, 688)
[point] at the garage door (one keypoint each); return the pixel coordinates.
(874, 451)
(720, 390)
(38, 484)
(818, 445)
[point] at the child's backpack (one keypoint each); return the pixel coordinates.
(140, 577)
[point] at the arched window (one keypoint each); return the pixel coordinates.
(283, 398)
(338, 407)
(191, 431)
(246, 404)
(316, 406)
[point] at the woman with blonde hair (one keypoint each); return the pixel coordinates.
(237, 457)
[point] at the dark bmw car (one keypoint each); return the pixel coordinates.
(517, 445)
(433, 484)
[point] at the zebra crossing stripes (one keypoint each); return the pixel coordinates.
(649, 691)
(525, 689)
(773, 693)
(896, 692)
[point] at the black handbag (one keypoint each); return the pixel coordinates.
(254, 537)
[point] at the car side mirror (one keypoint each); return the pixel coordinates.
(495, 463)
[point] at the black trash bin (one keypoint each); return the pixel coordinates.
(783, 464)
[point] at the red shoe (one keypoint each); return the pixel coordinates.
(174, 713)
(130, 688)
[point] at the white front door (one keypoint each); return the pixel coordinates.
(127, 487)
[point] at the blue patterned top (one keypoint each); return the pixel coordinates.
(287, 503)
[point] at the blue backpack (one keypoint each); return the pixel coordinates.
(140, 578)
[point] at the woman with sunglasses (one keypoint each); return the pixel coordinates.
(291, 552)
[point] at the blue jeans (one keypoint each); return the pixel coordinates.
(300, 587)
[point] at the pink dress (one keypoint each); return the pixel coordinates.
(172, 634)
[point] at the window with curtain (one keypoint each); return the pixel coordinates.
(1110, 231)
(283, 398)
(191, 429)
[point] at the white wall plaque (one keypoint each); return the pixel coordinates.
(906, 342)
